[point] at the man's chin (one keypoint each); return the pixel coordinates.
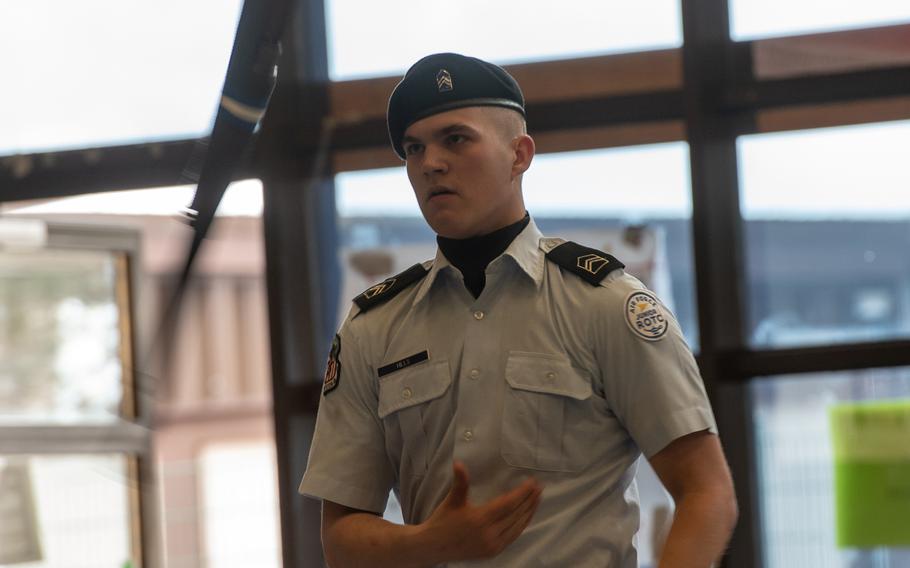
(453, 234)
(445, 223)
(450, 230)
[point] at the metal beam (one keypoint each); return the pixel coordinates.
(738, 366)
(819, 89)
(302, 274)
(708, 72)
(93, 170)
(549, 116)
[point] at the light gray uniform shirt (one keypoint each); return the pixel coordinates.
(543, 375)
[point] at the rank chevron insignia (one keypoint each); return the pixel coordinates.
(590, 264)
(389, 288)
(379, 288)
(444, 81)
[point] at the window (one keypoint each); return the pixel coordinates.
(807, 486)
(241, 199)
(385, 38)
(827, 216)
(70, 427)
(750, 19)
(60, 337)
(152, 71)
(66, 510)
(241, 527)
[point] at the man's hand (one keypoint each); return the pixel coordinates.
(457, 530)
(462, 531)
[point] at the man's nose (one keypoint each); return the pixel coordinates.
(434, 160)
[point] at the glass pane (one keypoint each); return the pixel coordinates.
(65, 512)
(812, 493)
(633, 202)
(241, 199)
(241, 527)
(750, 19)
(827, 217)
(103, 72)
(385, 38)
(59, 337)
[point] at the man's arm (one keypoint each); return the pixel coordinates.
(695, 472)
(455, 531)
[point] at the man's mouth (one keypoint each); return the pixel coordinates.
(438, 190)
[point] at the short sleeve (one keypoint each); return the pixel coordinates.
(347, 462)
(649, 376)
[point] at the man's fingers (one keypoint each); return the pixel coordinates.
(525, 511)
(515, 525)
(506, 504)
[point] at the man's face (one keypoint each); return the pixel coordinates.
(462, 166)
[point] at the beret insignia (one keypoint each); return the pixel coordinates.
(444, 81)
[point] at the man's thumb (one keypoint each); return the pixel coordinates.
(458, 495)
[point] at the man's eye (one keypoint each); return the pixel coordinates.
(412, 149)
(455, 138)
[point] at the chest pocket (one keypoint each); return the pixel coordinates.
(403, 397)
(547, 415)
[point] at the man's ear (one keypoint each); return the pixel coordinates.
(524, 149)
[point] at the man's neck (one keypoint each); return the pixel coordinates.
(472, 255)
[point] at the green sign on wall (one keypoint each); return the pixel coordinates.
(872, 473)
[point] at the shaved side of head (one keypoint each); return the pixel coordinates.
(509, 123)
(511, 129)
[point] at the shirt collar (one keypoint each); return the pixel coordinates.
(524, 250)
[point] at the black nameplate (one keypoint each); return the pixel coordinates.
(406, 362)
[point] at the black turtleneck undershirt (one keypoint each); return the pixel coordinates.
(471, 256)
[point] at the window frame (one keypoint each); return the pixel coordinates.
(130, 436)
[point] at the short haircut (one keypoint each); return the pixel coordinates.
(509, 123)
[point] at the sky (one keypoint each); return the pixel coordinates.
(103, 72)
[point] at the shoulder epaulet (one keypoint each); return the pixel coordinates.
(389, 288)
(591, 264)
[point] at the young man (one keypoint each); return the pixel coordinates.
(506, 389)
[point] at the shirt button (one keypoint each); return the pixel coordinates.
(468, 435)
(406, 393)
(478, 315)
(551, 375)
(474, 374)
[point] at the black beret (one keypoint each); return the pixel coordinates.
(446, 81)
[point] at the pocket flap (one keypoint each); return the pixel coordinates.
(413, 386)
(550, 374)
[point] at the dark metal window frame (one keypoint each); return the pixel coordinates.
(704, 93)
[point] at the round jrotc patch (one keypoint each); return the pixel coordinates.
(332, 367)
(645, 316)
